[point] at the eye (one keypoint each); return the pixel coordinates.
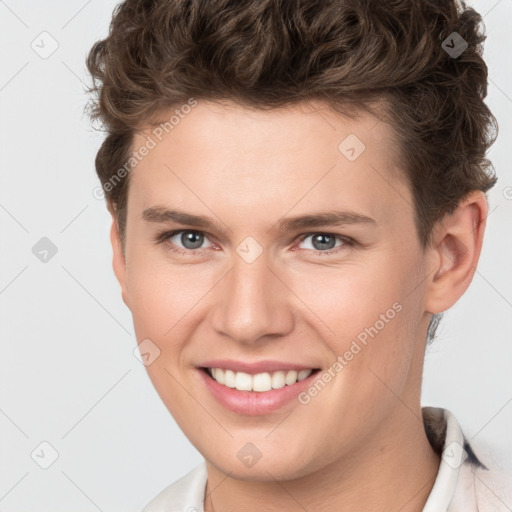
(324, 243)
(190, 242)
(184, 241)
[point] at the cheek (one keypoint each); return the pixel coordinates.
(365, 305)
(161, 294)
(163, 300)
(366, 316)
(347, 299)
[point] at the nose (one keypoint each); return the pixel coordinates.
(253, 304)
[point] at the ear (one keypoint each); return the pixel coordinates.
(118, 260)
(454, 252)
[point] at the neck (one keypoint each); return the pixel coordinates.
(395, 470)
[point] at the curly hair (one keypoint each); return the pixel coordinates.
(266, 54)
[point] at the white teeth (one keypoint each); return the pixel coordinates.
(291, 377)
(262, 382)
(259, 382)
(243, 381)
(278, 380)
(229, 379)
(303, 374)
(219, 375)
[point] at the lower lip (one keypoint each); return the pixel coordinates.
(254, 403)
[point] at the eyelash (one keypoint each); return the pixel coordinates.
(166, 235)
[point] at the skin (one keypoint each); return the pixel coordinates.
(360, 443)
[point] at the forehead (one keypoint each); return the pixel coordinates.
(301, 128)
(267, 161)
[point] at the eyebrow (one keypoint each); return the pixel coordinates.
(161, 214)
(332, 218)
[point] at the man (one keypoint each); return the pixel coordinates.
(298, 192)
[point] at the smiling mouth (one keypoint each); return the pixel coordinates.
(259, 382)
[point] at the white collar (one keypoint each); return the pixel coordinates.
(453, 489)
(457, 461)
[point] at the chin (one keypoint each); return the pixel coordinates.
(270, 467)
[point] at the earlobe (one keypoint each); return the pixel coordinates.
(456, 246)
(118, 258)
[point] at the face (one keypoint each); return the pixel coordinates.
(278, 248)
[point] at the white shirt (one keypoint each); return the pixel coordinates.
(463, 483)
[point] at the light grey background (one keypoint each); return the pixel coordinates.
(68, 375)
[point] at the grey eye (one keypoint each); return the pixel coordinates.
(322, 241)
(190, 239)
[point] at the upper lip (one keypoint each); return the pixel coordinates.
(255, 367)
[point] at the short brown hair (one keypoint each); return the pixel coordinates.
(270, 53)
